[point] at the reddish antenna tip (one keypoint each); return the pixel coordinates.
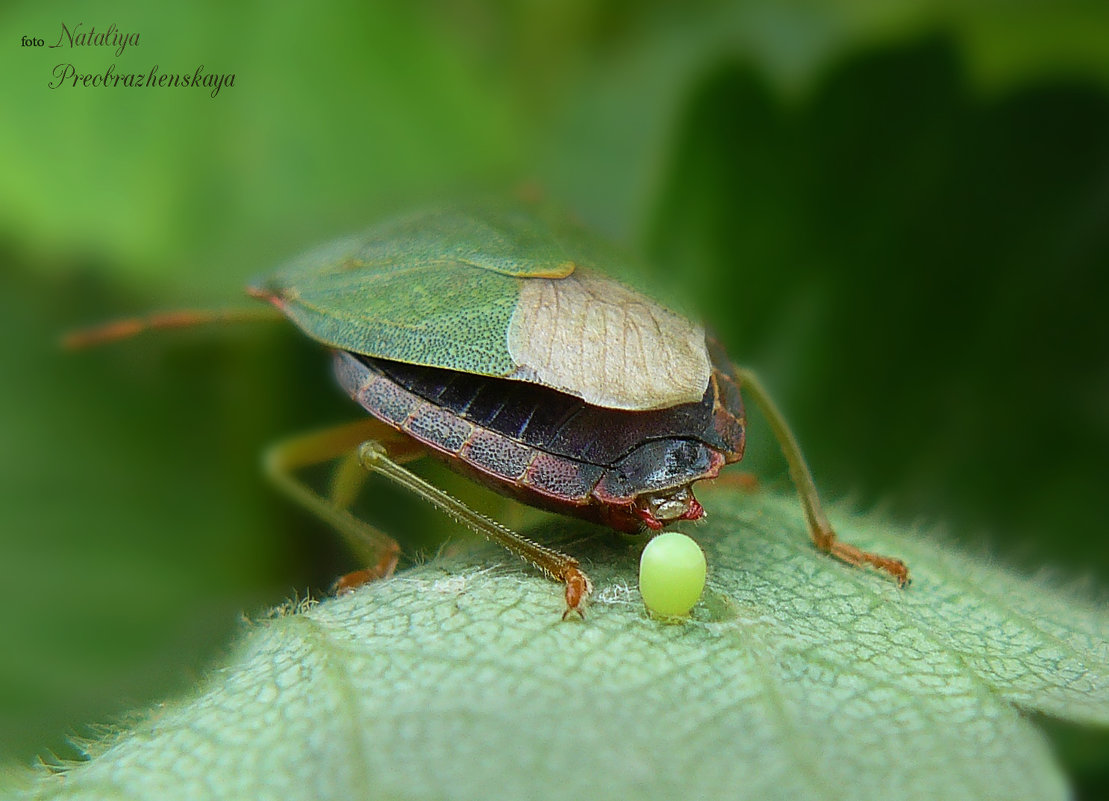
(101, 334)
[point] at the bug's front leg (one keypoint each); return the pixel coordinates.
(558, 566)
(819, 528)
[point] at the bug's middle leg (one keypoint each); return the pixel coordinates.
(283, 460)
(374, 456)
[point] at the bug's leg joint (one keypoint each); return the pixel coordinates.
(826, 540)
(578, 589)
(371, 453)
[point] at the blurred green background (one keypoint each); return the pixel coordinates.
(897, 210)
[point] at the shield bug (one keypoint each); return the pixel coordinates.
(501, 343)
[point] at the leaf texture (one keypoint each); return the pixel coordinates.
(796, 677)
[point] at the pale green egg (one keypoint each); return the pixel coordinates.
(671, 574)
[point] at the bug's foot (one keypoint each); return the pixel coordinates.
(578, 589)
(352, 581)
(828, 541)
(895, 567)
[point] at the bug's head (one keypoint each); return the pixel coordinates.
(656, 509)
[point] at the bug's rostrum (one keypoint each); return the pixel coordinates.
(657, 509)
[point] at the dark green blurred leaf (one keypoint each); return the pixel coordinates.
(611, 143)
(132, 527)
(927, 283)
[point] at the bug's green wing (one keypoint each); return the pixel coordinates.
(495, 290)
(436, 288)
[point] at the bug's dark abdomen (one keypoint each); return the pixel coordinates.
(541, 446)
(491, 457)
(553, 421)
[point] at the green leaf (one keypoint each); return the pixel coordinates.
(797, 677)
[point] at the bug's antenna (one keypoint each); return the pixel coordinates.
(182, 318)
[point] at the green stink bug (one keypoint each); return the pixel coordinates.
(500, 343)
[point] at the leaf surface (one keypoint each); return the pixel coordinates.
(797, 677)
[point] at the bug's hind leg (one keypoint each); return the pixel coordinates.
(819, 528)
(375, 457)
(371, 546)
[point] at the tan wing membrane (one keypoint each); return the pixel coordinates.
(590, 336)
